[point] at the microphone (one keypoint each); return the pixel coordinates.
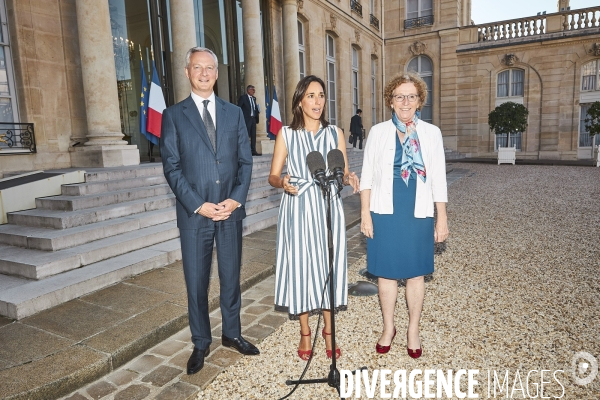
(335, 160)
(316, 166)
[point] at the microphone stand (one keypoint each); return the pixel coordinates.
(333, 379)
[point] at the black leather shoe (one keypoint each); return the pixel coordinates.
(196, 361)
(241, 345)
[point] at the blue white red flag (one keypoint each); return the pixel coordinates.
(275, 120)
(144, 97)
(156, 105)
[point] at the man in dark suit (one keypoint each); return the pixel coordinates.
(356, 127)
(208, 165)
(247, 102)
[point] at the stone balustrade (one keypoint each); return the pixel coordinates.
(539, 26)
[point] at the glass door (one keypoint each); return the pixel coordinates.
(140, 33)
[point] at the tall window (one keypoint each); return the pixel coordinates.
(418, 8)
(510, 83)
(510, 88)
(301, 50)
(8, 101)
(373, 91)
(424, 67)
(585, 140)
(354, 80)
(589, 76)
(331, 81)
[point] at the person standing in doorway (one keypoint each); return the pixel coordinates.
(356, 128)
(208, 165)
(250, 108)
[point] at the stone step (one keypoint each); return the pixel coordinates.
(262, 204)
(262, 191)
(68, 219)
(74, 203)
(88, 188)
(20, 298)
(57, 239)
(121, 173)
(37, 264)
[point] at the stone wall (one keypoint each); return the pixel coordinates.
(45, 50)
(348, 29)
(465, 79)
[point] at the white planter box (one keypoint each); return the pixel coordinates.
(507, 155)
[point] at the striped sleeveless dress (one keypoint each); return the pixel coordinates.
(302, 253)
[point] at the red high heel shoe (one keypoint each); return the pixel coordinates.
(384, 349)
(305, 354)
(338, 352)
(413, 353)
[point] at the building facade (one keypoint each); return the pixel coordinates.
(71, 71)
(549, 63)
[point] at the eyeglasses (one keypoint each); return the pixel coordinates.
(399, 98)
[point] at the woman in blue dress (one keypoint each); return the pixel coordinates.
(302, 261)
(403, 177)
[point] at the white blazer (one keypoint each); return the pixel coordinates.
(378, 168)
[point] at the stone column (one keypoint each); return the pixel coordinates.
(291, 58)
(253, 67)
(105, 147)
(183, 31)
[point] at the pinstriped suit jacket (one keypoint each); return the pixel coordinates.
(195, 172)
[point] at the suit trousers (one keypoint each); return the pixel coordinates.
(357, 137)
(196, 252)
(251, 126)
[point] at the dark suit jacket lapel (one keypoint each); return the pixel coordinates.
(190, 110)
(221, 121)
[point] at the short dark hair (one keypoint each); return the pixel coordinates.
(358, 111)
(301, 88)
(249, 87)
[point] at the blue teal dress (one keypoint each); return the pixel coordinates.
(402, 245)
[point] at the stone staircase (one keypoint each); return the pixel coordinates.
(119, 223)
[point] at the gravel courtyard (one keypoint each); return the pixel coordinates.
(516, 289)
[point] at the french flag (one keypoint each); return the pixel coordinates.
(275, 121)
(156, 105)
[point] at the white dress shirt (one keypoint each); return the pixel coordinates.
(251, 105)
(378, 169)
(211, 106)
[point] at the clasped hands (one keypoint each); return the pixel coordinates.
(218, 212)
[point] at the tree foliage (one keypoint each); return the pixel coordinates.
(592, 120)
(508, 118)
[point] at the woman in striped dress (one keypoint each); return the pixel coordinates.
(302, 253)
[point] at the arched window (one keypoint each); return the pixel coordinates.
(590, 93)
(331, 79)
(589, 76)
(301, 50)
(510, 83)
(355, 80)
(373, 91)
(510, 87)
(424, 67)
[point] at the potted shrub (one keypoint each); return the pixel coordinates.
(506, 119)
(592, 124)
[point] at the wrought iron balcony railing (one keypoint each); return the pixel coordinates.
(17, 138)
(418, 22)
(374, 21)
(356, 7)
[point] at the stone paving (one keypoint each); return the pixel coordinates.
(159, 373)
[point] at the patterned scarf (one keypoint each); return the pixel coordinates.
(411, 149)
